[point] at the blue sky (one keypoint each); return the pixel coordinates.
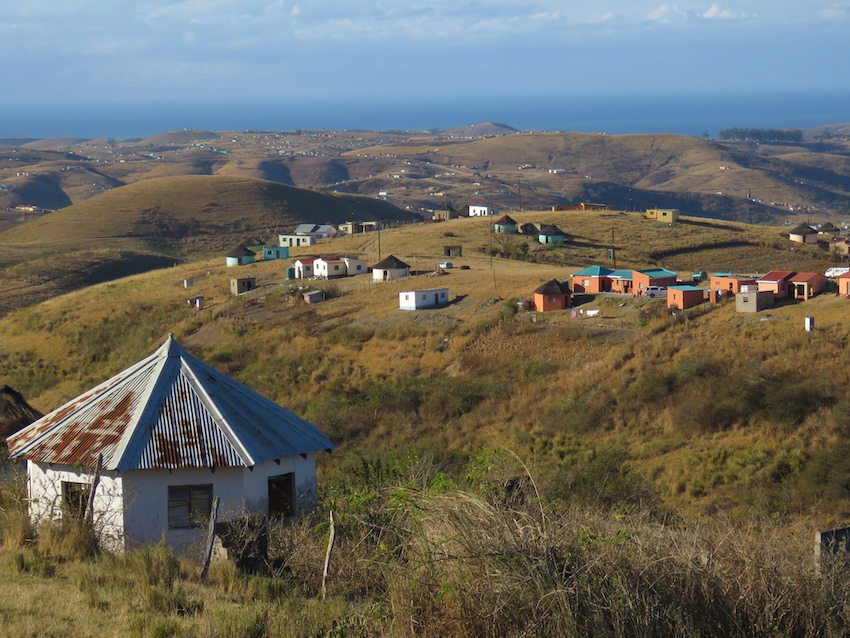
(105, 50)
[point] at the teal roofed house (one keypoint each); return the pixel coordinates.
(621, 281)
(591, 280)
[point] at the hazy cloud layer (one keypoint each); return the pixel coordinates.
(156, 48)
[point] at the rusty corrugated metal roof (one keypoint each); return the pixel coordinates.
(169, 410)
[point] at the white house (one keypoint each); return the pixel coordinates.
(355, 266)
(390, 268)
(418, 299)
(173, 434)
(304, 267)
(481, 211)
(329, 267)
(294, 241)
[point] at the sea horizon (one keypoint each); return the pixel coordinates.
(692, 114)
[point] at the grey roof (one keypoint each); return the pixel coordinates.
(802, 229)
(309, 229)
(505, 220)
(169, 410)
(391, 262)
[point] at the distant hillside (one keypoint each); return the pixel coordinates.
(484, 129)
(179, 137)
(54, 142)
(193, 213)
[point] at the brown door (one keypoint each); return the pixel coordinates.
(281, 495)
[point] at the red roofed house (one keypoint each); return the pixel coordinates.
(776, 281)
(805, 285)
(304, 267)
(552, 295)
(173, 434)
(329, 268)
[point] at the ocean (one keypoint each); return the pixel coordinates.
(693, 114)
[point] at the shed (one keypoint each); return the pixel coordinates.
(844, 284)
(313, 296)
(553, 295)
(173, 433)
(419, 299)
(684, 297)
(754, 301)
(452, 251)
(238, 285)
(390, 268)
(240, 256)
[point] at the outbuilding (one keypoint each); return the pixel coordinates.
(684, 296)
(420, 299)
(754, 301)
(390, 268)
(553, 295)
(239, 285)
(172, 434)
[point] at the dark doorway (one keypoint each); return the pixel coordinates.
(281, 495)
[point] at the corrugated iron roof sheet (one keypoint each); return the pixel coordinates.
(172, 411)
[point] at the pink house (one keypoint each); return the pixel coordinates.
(776, 281)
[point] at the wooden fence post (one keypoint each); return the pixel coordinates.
(210, 538)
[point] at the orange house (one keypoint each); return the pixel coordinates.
(805, 285)
(844, 284)
(592, 279)
(621, 281)
(776, 281)
(684, 297)
(553, 295)
(729, 284)
(652, 277)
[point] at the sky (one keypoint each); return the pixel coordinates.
(81, 51)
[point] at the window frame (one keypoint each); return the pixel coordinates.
(192, 510)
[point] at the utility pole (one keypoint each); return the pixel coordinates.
(379, 242)
(613, 250)
(519, 189)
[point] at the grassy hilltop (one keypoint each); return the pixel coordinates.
(498, 473)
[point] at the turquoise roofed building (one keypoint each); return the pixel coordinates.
(592, 279)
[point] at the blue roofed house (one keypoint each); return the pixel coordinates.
(173, 433)
(593, 279)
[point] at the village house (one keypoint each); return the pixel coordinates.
(390, 268)
(421, 299)
(652, 277)
(776, 281)
(805, 285)
(355, 227)
(240, 256)
(684, 296)
(593, 279)
(505, 224)
(304, 268)
(481, 211)
(840, 246)
(170, 434)
(582, 206)
(553, 295)
(803, 234)
(844, 284)
(275, 252)
(239, 285)
(329, 268)
(828, 230)
(662, 214)
(551, 234)
(729, 284)
(621, 281)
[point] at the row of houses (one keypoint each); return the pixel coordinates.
(386, 269)
(544, 233)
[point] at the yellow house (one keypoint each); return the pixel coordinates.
(662, 214)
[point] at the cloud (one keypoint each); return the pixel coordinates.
(668, 13)
(716, 13)
(837, 11)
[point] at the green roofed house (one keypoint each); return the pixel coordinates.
(621, 281)
(592, 279)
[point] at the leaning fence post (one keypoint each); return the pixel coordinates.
(89, 513)
(331, 535)
(210, 538)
